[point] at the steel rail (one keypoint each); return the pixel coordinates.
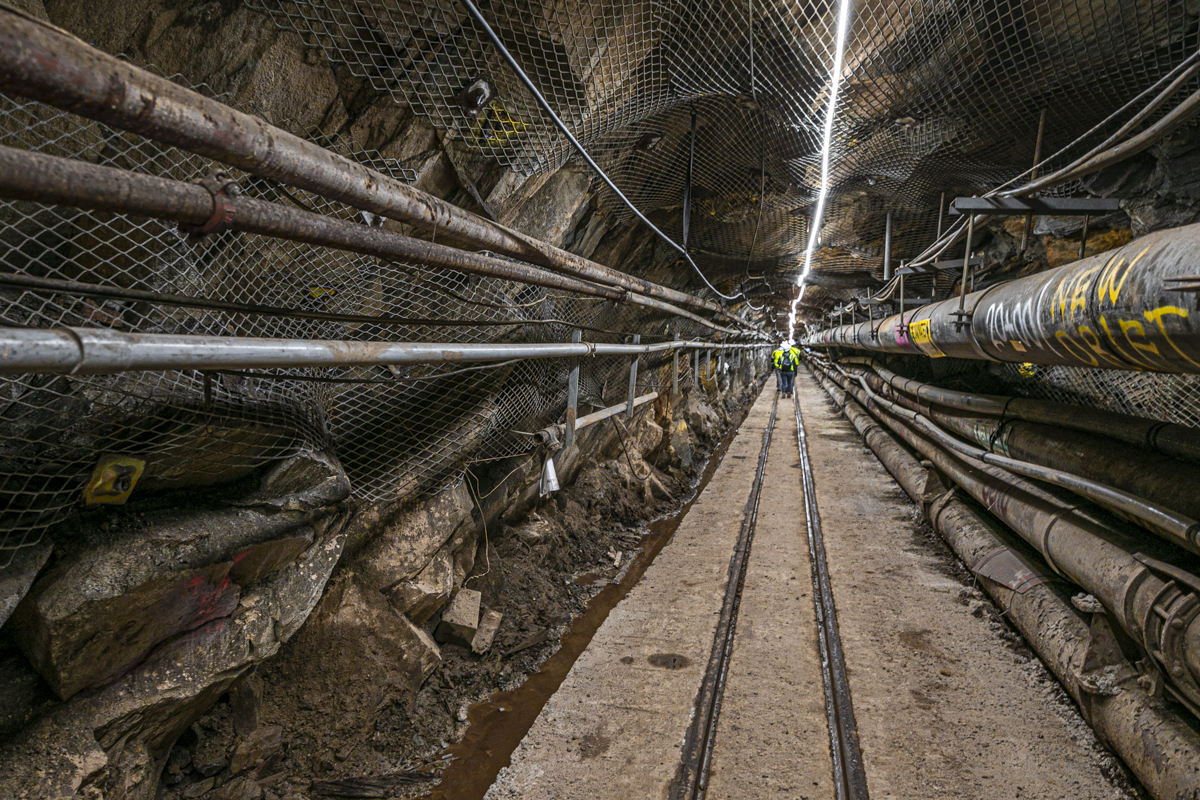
(1171, 525)
(46, 64)
(692, 780)
(87, 351)
(849, 774)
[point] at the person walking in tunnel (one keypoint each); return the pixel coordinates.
(785, 359)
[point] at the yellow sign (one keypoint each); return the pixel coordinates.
(919, 333)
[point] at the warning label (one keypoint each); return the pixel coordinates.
(923, 339)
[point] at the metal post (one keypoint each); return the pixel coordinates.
(941, 214)
(887, 248)
(708, 362)
(1083, 238)
(1037, 156)
(637, 339)
(572, 394)
(696, 368)
(675, 371)
(962, 289)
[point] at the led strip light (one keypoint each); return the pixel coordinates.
(845, 7)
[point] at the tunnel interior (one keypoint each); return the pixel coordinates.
(604, 398)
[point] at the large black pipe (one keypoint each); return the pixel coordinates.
(1155, 602)
(1137, 726)
(1132, 308)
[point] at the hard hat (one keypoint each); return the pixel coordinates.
(783, 344)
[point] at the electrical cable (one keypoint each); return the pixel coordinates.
(477, 15)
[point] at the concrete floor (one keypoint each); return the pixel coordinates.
(947, 704)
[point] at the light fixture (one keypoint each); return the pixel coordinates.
(835, 83)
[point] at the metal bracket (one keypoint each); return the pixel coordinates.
(113, 480)
(220, 185)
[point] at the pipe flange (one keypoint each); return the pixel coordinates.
(220, 185)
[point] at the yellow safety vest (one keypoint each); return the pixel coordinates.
(777, 358)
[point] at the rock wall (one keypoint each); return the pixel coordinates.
(238, 636)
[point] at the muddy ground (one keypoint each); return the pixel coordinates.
(540, 573)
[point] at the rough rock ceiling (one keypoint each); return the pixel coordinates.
(937, 96)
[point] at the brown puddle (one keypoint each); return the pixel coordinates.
(499, 723)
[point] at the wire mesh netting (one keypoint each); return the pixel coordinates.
(1167, 398)
(938, 98)
(396, 430)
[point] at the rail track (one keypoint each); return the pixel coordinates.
(849, 778)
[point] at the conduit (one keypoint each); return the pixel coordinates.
(85, 351)
(1138, 727)
(1152, 600)
(1162, 520)
(1133, 308)
(44, 63)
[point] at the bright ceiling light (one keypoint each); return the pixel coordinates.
(845, 8)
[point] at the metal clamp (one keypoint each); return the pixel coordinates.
(220, 185)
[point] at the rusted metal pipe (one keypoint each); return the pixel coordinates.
(43, 63)
(1136, 726)
(1153, 601)
(1165, 521)
(47, 179)
(1132, 308)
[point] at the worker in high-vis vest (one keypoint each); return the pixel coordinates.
(785, 359)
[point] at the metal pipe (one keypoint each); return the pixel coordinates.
(87, 351)
(1136, 726)
(43, 63)
(887, 247)
(612, 411)
(633, 370)
(25, 175)
(573, 393)
(675, 372)
(1132, 308)
(1027, 228)
(1177, 528)
(1170, 439)
(1153, 601)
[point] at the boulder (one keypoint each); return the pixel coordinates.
(461, 620)
(409, 542)
(256, 748)
(114, 742)
(17, 577)
(129, 581)
(489, 626)
(356, 656)
(420, 597)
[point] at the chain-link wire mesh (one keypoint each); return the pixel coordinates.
(1167, 398)
(396, 430)
(938, 98)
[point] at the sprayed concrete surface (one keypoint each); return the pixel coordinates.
(949, 703)
(616, 725)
